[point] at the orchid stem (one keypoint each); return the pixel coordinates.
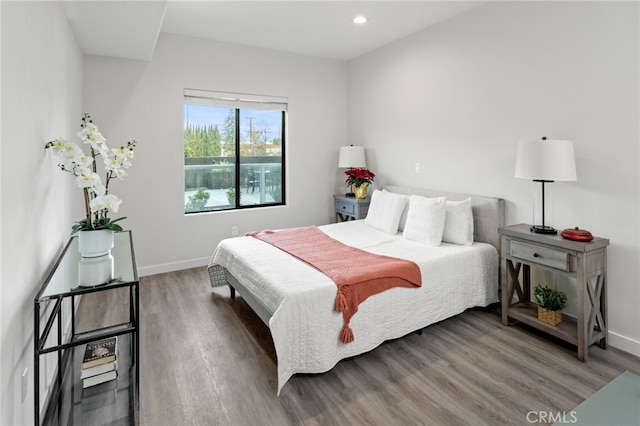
(86, 206)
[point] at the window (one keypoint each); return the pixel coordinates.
(233, 151)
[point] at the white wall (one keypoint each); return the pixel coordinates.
(458, 96)
(41, 100)
(144, 101)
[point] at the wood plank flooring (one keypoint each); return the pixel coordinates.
(208, 360)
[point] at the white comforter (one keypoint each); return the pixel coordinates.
(304, 325)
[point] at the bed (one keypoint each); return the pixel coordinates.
(296, 300)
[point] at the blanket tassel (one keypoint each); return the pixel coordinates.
(340, 304)
(346, 334)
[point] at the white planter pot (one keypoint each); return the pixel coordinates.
(93, 271)
(95, 243)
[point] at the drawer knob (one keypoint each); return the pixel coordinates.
(536, 255)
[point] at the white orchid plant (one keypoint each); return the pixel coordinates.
(98, 202)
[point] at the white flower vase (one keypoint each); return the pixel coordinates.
(95, 243)
(93, 271)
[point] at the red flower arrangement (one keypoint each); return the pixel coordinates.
(356, 177)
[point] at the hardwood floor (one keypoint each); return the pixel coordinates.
(208, 360)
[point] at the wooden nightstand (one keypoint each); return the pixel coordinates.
(350, 208)
(585, 261)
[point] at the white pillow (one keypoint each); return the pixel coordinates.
(458, 227)
(385, 210)
(403, 216)
(425, 220)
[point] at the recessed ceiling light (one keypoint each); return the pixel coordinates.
(360, 19)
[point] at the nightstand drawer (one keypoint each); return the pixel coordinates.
(541, 255)
(346, 208)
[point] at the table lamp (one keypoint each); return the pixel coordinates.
(545, 161)
(351, 157)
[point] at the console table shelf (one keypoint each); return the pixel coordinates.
(527, 312)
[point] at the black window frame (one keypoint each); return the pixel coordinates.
(220, 100)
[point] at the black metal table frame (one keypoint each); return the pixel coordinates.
(77, 339)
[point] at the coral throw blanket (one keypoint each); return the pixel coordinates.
(357, 273)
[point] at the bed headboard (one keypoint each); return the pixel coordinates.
(488, 212)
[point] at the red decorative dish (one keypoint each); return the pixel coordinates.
(576, 234)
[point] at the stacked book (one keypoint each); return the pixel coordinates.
(99, 364)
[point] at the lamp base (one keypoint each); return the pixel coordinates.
(542, 229)
(350, 194)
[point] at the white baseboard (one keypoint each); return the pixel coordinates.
(624, 343)
(173, 266)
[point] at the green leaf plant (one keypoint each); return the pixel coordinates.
(550, 298)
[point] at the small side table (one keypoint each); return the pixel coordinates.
(350, 208)
(585, 261)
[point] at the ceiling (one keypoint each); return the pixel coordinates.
(130, 29)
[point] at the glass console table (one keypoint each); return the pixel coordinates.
(67, 402)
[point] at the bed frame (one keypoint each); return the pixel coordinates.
(488, 216)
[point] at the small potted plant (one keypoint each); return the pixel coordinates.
(95, 230)
(197, 201)
(550, 304)
(359, 179)
(231, 196)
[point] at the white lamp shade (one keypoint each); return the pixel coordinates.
(351, 156)
(549, 160)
